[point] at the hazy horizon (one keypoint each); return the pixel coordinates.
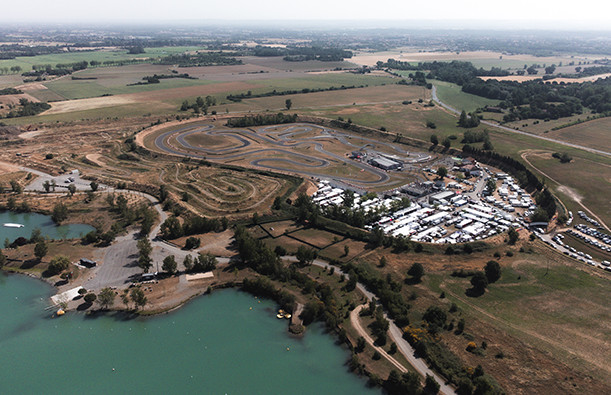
(470, 14)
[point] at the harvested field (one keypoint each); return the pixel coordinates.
(291, 245)
(86, 104)
(277, 229)
(593, 134)
(316, 237)
(337, 250)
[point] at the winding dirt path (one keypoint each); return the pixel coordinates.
(356, 323)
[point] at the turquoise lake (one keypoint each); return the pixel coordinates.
(43, 222)
(215, 344)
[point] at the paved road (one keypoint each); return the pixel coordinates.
(61, 181)
(505, 128)
(396, 334)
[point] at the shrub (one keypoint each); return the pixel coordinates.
(90, 298)
(471, 346)
(376, 356)
(192, 242)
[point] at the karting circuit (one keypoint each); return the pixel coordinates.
(303, 149)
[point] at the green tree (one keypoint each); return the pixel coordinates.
(305, 255)
(360, 345)
(493, 271)
(491, 185)
(188, 263)
(59, 213)
(90, 298)
(171, 228)
(106, 298)
(36, 235)
(144, 248)
(125, 298)
(447, 142)
(169, 264)
(192, 242)
(416, 271)
(2, 259)
(513, 236)
(435, 316)
(204, 263)
(71, 189)
(431, 386)
(346, 250)
(16, 187)
(479, 282)
(288, 103)
(434, 139)
(41, 249)
(46, 186)
(137, 296)
(382, 262)
(94, 186)
(163, 193)
(58, 264)
(442, 172)
(463, 120)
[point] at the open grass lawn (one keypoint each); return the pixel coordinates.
(408, 120)
(591, 180)
(26, 62)
(595, 134)
(359, 96)
(452, 95)
(78, 89)
(291, 245)
(313, 81)
(336, 251)
(316, 237)
(276, 62)
(557, 307)
(277, 229)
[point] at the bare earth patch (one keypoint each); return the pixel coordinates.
(61, 107)
(570, 192)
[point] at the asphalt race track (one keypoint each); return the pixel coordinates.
(281, 138)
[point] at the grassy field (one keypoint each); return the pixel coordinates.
(593, 134)
(590, 180)
(452, 95)
(79, 89)
(560, 309)
(26, 62)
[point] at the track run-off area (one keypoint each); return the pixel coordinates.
(300, 148)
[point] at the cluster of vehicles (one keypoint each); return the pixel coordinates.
(451, 219)
(585, 217)
(584, 231)
(557, 242)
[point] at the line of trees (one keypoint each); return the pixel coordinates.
(260, 120)
(27, 108)
(250, 95)
(172, 228)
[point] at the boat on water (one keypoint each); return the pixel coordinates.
(279, 316)
(287, 316)
(60, 312)
(9, 225)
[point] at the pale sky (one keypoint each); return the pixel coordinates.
(594, 14)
